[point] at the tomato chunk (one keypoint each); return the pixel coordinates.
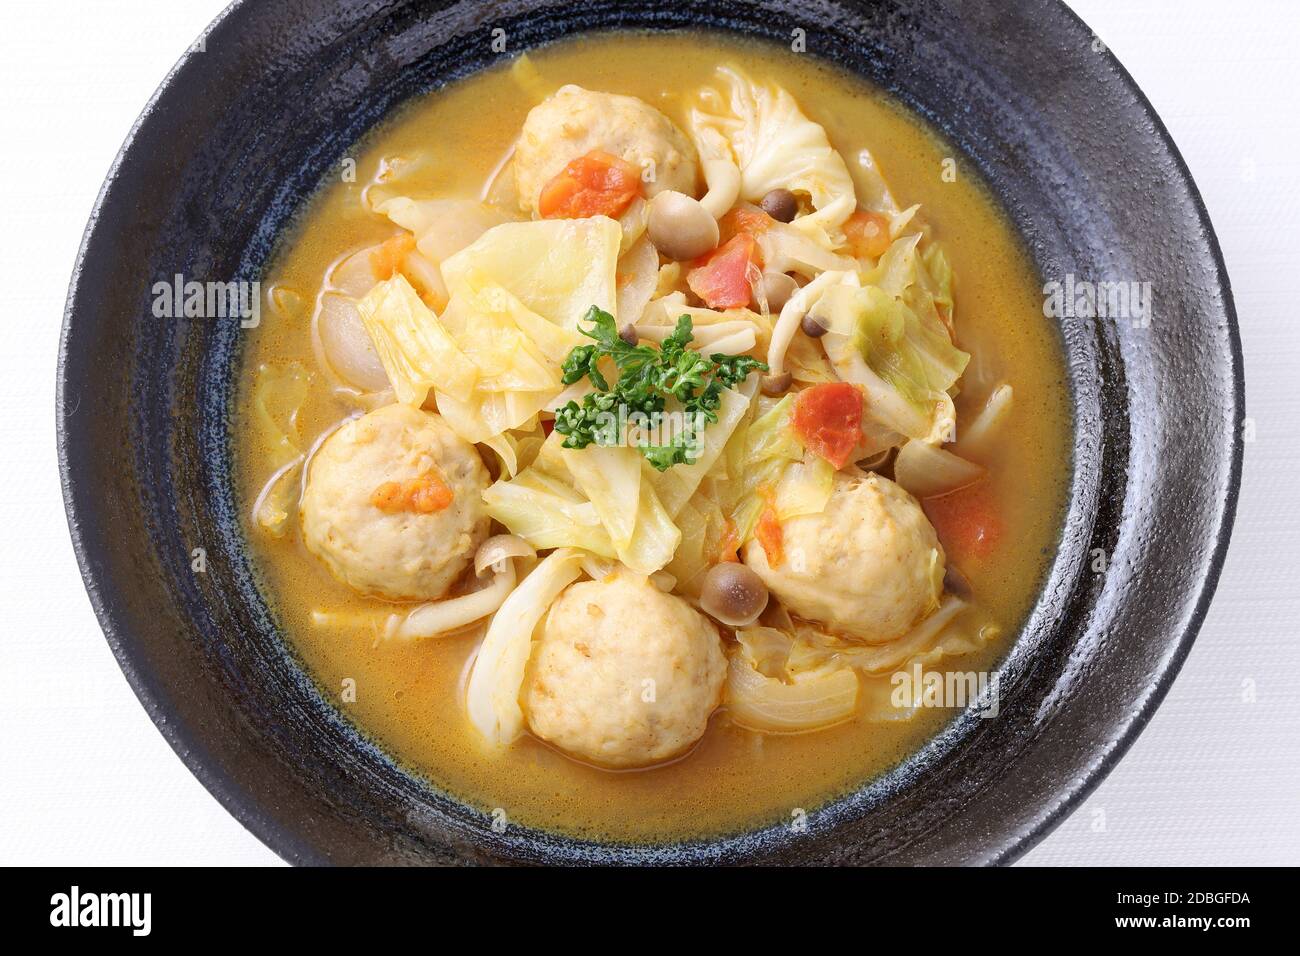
(744, 219)
(968, 521)
(722, 280)
(868, 233)
(597, 184)
(828, 418)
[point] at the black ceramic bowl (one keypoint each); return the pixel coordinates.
(235, 141)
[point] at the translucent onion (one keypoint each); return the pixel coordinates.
(492, 695)
(814, 701)
(738, 343)
(927, 470)
(975, 440)
(501, 548)
(596, 567)
(345, 344)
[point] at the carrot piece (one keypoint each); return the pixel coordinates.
(828, 419)
(722, 279)
(596, 184)
(968, 521)
(386, 259)
(868, 233)
(424, 495)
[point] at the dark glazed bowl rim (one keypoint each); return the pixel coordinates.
(244, 805)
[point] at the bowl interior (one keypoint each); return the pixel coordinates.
(237, 139)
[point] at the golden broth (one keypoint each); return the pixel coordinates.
(409, 696)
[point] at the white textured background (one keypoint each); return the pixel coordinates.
(86, 779)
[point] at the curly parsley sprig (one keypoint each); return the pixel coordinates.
(647, 378)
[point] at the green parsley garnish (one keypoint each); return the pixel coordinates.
(647, 378)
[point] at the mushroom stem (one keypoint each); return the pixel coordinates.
(723, 178)
(441, 617)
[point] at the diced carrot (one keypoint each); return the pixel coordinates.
(828, 418)
(722, 279)
(968, 521)
(424, 495)
(868, 233)
(744, 219)
(387, 497)
(386, 258)
(597, 184)
(768, 531)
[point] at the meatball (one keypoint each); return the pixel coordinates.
(376, 506)
(575, 121)
(623, 675)
(868, 567)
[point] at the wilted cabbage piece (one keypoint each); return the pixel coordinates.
(418, 353)
(442, 227)
(888, 337)
(558, 268)
(278, 393)
(600, 499)
(776, 147)
(614, 480)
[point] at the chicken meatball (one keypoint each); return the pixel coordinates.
(623, 675)
(575, 121)
(394, 504)
(868, 567)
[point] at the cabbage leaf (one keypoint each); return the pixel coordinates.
(889, 337)
(417, 352)
(776, 146)
(557, 268)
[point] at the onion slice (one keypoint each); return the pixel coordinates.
(492, 695)
(812, 702)
(974, 441)
(500, 548)
(928, 471)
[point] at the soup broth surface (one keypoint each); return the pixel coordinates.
(409, 696)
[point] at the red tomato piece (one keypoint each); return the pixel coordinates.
(968, 521)
(597, 184)
(828, 418)
(722, 280)
(868, 233)
(744, 219)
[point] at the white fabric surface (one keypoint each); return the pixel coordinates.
(86, 779)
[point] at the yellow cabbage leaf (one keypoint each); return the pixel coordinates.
(417, 352)
(558, 268)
